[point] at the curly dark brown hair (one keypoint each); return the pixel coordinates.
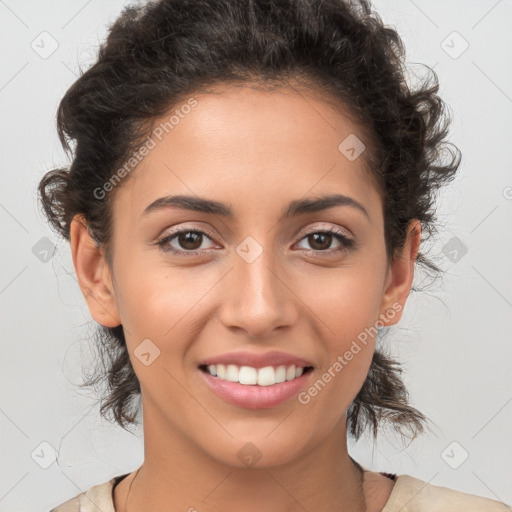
(158, 53)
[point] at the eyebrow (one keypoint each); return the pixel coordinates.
(297, 207)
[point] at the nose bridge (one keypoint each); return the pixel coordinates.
(257, 300)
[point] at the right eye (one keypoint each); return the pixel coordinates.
(189, 239)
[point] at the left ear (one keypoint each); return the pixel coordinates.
(400, 276)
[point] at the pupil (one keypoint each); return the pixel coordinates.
(189, 238)
(324, 235)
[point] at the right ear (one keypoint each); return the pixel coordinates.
(93, 274)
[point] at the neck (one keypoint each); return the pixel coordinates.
(177, 475)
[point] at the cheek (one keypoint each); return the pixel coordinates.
(165, 305)
(349, 303)
(150, 297)
(348, 307)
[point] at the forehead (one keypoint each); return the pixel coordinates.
(240, 144)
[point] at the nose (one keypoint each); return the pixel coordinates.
(259, 297)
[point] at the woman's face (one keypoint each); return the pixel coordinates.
(255, 280)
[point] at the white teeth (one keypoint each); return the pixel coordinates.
(266, 376)
(280, 374)
(232, 373)
(248, 375)
(221, 370)
(290, 373)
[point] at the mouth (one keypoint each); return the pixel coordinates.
(249, 387)
(256, 377)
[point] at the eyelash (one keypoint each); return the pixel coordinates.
(346, 243)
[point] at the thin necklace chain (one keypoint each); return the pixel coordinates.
(361, 471)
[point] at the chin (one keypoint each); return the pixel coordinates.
(261, 451)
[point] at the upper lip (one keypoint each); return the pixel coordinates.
(272, 358)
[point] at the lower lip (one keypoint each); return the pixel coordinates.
(253, 396)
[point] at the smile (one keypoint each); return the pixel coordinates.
(255, 388)
(250, 376)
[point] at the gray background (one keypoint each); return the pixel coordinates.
(454, 341)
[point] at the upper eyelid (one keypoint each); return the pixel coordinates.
(188, 229)
(308, 231)
(301, 234)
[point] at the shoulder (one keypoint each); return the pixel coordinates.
(96, 499)
(414, 495)
(409, 494)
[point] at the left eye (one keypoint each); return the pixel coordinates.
(322, 238)
(191, 240)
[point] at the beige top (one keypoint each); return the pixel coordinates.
(409, 494)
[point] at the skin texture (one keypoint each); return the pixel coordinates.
(255, 151)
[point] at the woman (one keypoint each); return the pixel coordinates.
(245, 209)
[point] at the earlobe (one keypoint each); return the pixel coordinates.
(400, 276)
(93, 274)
